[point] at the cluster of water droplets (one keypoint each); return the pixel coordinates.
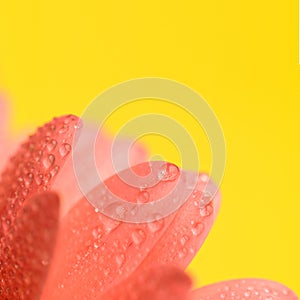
(34, 166)
(116, 253)
(247, 289)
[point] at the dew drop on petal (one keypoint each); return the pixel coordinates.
(64, 149)
(184, 240)
(120, 260)
(134, 210)
(51, 145)
(39, 179)
(155, 226)
(206, 211)
(143, 197)
(197, 228)
(107, 271)
(45, 262)
(204, 177)
(120, 211)
(206, 198)
(182, 252)
(28, 179)
(48, 161)
(138, 236)
(168, 172)
(63, 129)
(110, 224)
(54, 171)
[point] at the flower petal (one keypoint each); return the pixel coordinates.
(34, 167)
(44, 162)
(25, 252)
(103, 162)
(252, 289)
(161, 283)
(94, 251)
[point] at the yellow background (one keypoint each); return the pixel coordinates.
(241, 56)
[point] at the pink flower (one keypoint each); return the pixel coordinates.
(54, 245)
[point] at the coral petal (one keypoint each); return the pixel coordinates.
(252, 289)
(27, 248)
(161, 283)
(34, 167)
(95, 252)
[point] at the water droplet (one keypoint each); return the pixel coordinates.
(63, 129)
(126, 244)
(138, 236)
(197, 228)
(143, 197)
(110, 224)
(182, 252)
(285, 292)
(168, 172)
(196, 194)
(48, 161)
(97, 233)
(184, 239)
(25, 192)
(39, 179)
(52, 127)
(116, 243)
(134, 210)
(51, 145)
(54, 171)
(68, 119)
(78, 125)
(47, 178)
(45, 262)
(205, 199)
(120, 211)
(204, 177)
(64, 149)
(37, 155)
(206, 211)
(107, 271)
(156, 225)
(120, 260)
(247, 294)
(45, 141)
(97, 244)
(28, 179)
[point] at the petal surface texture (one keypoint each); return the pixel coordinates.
(34, 167)
(252, 289)
(27, 249)
(95, 252)
(158, 283)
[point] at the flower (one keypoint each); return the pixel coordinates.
(55, 245)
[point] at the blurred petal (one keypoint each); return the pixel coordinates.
(27, 249)
(93, 251)
(103, 162)
(5, 143)
(252, 289)
(159, 283)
